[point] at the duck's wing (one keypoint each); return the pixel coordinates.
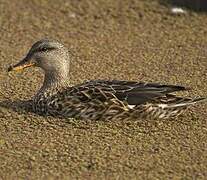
(113, 99)
(131, 92)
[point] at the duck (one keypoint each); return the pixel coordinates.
(97, 99)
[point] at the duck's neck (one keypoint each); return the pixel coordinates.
(54, 82)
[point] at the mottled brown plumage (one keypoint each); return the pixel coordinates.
(97, 99)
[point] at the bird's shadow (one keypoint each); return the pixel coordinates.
(18, 106)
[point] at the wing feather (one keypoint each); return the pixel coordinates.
(132, 92)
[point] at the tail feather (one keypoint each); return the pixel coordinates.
(165, 110)
(186, 102)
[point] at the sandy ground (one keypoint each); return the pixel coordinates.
(132, 40)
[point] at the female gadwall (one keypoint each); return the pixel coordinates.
(97, 99)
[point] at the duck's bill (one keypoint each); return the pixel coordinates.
(21, 65)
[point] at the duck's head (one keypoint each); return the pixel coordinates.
(50, 55)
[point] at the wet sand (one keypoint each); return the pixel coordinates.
(130, 40)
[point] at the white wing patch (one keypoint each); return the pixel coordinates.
(163, 106)
(131, 106)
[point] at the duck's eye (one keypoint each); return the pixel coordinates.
(43, 49)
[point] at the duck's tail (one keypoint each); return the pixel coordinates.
(165, 110)
(187, 102)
